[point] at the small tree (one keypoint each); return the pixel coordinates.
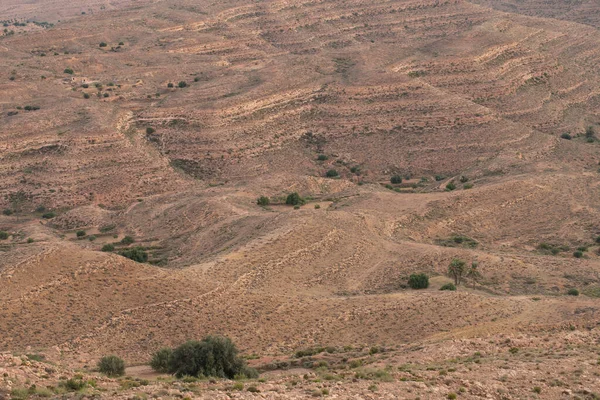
(294, 199)
(263, 201)
(418, 281)
(112, 366)
(396, 179)
(590, 133)
(456, 270)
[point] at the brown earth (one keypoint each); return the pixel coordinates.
(438, 92)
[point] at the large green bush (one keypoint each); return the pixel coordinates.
(112, 366)
(213, 356)
(418, 281)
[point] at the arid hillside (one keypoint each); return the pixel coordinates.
(137, 136)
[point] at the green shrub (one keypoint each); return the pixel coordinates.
(537, 389)
(213, 356)
(68, 71)
(111, 366)
(463, 179)
(317, 206)
(127, 240)
(332, 173)
(322, 157)
(161, 360)
(8, 211)
(19, 394)
(573, 292)
(121, 44)
(396, 179)
(418, 281)
(86, 96)
(566, 136)
(448, 286)
(150, 130)
(85, 86)
(578, 254)
(106, 95)
(263, 201)
(182, 84)
(80, 233)
(30, 240)
(136, 254)
(3, 235)
(451, 396)
(294, 199)
(73, 384)
(468, 186)
(450, 186)
(590, 133)
(103, 44)
(49, 215)
(170, 85)
(108, 247)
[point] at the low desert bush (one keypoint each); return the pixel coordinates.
(137, 254)
(111, 366)
(418, 281)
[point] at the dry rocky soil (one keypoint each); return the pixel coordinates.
(159, 123)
